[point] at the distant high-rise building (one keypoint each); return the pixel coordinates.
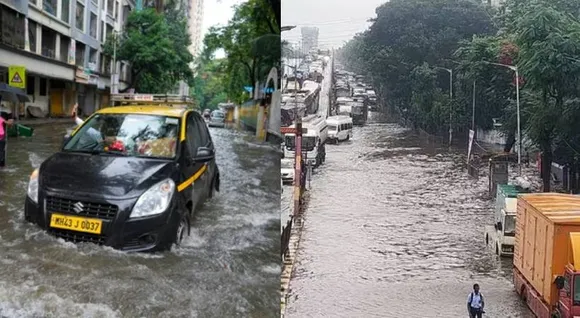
(309, 38)
(194, 21)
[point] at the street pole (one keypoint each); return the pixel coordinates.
(473, 109)
(518, 115)
(297, 146)
(114, 71)
(515, 69)
(450, 105)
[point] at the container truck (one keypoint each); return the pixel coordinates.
(546, 253)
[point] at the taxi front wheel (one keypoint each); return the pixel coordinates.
(182, 230)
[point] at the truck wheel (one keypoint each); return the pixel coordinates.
(497, 250)
(487, 240)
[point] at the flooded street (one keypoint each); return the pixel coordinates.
(394, 228)
(229, 267)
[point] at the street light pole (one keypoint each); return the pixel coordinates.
(473, 109)
(450, 105)
(450, 71)
(515, 69)
(518, 115)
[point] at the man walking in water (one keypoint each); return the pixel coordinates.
(475, 303)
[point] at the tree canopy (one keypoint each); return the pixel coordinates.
(251, 42)
(156, 46)
(541, 38)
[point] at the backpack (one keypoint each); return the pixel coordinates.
(471, 297)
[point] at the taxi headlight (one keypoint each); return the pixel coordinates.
(155, 200)
(33, 186)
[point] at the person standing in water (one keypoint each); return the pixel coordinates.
(6, 120)
(475, 303)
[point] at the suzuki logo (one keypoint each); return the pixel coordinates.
(78, 207)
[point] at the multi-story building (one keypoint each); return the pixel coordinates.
(59, 42)
(195, 24)
(309, 38)
(194, 9)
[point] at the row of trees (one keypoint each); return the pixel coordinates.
(155, 41)
(411, 43)
(251, 42)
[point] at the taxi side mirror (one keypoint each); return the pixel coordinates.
(204, 154)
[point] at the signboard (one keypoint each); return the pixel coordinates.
(291, 130)
(17, 76)
(72, 52)
(143, 97)
(471, 135)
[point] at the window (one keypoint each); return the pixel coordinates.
(30, 84)
(93, 26)
(203, 131)
(64, 48)
(65, 11)
(43, 88)
(50, 6)
(12, 27)
(133, 135)
(80, 54)
(80, 16)
(117, 9)
(576, 290)
(33, 2)
(110, 7)
(93, 56)
(193, 138)
(32, 35)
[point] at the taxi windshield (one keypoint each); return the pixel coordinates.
(128, 135)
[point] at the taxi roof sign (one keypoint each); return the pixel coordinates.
(152, 99)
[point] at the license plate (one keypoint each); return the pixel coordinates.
(75, 223)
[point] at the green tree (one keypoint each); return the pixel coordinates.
(406, 34)
(156, 47)
(547, 39)
(207, 88)
(251, 41)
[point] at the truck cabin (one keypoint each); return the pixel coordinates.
(568, 284)
(507, 225)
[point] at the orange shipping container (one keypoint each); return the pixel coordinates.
(543, 244)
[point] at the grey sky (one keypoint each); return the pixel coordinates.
(337, 20)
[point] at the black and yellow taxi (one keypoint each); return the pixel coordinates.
(129, 177)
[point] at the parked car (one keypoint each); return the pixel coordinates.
(217, 119)
(129, 177)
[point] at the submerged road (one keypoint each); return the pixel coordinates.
(229, 267)
(394, 228)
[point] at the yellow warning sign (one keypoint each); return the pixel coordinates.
(17, 76)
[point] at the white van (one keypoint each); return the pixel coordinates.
(339, 128)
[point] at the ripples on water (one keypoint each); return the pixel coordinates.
(228, 267)
(395, 229)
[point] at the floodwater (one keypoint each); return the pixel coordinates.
(394, 229)
(228, 267)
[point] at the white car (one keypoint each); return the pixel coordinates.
(287, 170)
